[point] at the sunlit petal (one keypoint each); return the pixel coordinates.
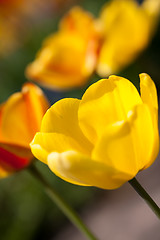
(62, 118)
(124, 143)
(68, 57)
(111, 98)
(149, 97)
(77, 168)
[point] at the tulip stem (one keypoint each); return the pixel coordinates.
(142, 192)
(65, 208)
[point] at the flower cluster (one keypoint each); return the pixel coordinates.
(84, 44)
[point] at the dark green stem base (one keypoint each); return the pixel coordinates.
(142, 192)
(65, 208)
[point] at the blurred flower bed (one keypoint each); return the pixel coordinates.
(24, 208)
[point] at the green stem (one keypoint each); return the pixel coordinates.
(142, 192)
(65, 208)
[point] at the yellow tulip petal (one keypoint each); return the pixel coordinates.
(149, 96)
(66, 60)
(105, 102)
(143, 135)
(62, 118)
(45, 143)
(77, 168)
(55, 67)
(54, 156)
(38, 149)
(148, 92)
(127, 145)
(116, 149)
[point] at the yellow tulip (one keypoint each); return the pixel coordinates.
(20, 119)
(68, 57)
(127, 28)
(105, 138)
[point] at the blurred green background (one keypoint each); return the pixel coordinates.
(25, 210)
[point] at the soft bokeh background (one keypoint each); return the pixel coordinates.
(25, 211)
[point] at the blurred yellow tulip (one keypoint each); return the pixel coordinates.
(20, 119)
(127, 29)
(68, 57)
(84, 44)
(106, 138)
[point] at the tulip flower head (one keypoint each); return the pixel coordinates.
(20, 119)
(68, 57)
(105, 138)
(128, 28)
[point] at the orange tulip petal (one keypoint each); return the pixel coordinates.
(36, 105)
(14, 126)
(21, 115)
